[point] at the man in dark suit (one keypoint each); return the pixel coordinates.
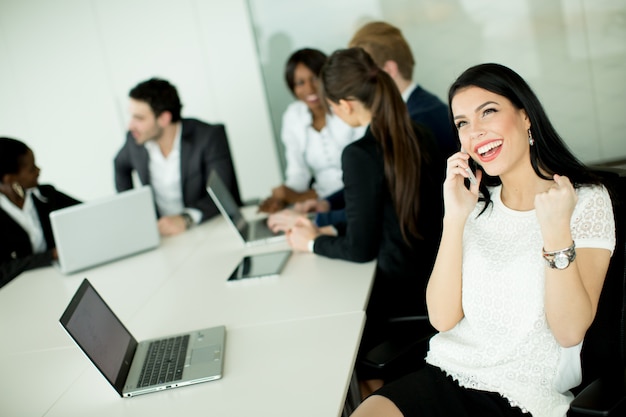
(391, 52)
(173, 155)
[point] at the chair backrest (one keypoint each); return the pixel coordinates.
(604, 348)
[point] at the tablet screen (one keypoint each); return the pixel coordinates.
(260, 265)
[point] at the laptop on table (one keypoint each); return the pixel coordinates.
(132, 367)
(255, 232)
(103, 230)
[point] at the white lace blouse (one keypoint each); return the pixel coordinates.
(504, 344)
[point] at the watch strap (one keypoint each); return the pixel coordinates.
(188, 220)
(560, 259)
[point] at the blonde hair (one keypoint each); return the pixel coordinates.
(385, 42)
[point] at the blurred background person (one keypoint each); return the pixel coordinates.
(26, 241)
(173, 155)
(393, 195)
(390, 50)
(312, 137)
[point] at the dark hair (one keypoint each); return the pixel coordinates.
(160, 95)
(549, 155)
(351, 74)
(11, 151)
(313, 59)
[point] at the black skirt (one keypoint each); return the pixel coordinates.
(431, 393)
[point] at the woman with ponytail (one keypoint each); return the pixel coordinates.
(393, 201)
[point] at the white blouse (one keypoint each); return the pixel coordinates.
(503, 343)
(165, 178)
(312, 154)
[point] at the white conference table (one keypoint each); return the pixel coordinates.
(291, 340)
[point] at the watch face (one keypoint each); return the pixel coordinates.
(561, 261)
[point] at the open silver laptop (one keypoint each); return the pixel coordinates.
(253, 232)
(104, 230)
(132, 367)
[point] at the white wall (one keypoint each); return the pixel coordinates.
(66, 67)
(572, 52)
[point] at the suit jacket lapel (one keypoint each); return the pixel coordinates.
(142, 167)
(186, 150)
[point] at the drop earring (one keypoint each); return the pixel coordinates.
(531, 141)
(18, 189)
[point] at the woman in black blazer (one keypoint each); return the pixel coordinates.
(26, 240)
(393, 192)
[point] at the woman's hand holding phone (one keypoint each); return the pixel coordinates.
(458, 199)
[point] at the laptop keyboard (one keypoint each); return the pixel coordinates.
(164, 362)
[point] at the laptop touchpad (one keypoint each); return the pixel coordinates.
(205, 354)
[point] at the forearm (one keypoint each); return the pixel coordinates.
(444, 290)
(296, 196)
(572, 294)
(345, 247)
(573, 290)
(290, 196)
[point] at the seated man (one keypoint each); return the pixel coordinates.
(174, 156)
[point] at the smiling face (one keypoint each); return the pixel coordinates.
(305, 87)
(492, 130)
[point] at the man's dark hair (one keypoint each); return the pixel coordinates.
(160, 95)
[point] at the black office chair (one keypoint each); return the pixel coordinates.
(603, 389)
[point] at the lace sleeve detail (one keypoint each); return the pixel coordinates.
(593, 224)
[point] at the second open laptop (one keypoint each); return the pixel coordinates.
(133, 367)
(253, 232)
(104, 230)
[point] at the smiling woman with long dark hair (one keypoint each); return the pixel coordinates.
(521, 264)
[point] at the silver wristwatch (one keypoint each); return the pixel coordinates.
(188, 220)
(560, 259)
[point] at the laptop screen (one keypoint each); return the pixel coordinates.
(100, 334)
(105, 229)
(226, 203)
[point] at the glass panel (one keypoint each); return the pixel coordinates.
(572, 52)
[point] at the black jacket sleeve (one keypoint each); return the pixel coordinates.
(215, 155)
(11, 269)
(123, 168)
(15, 251)
(363, 192)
